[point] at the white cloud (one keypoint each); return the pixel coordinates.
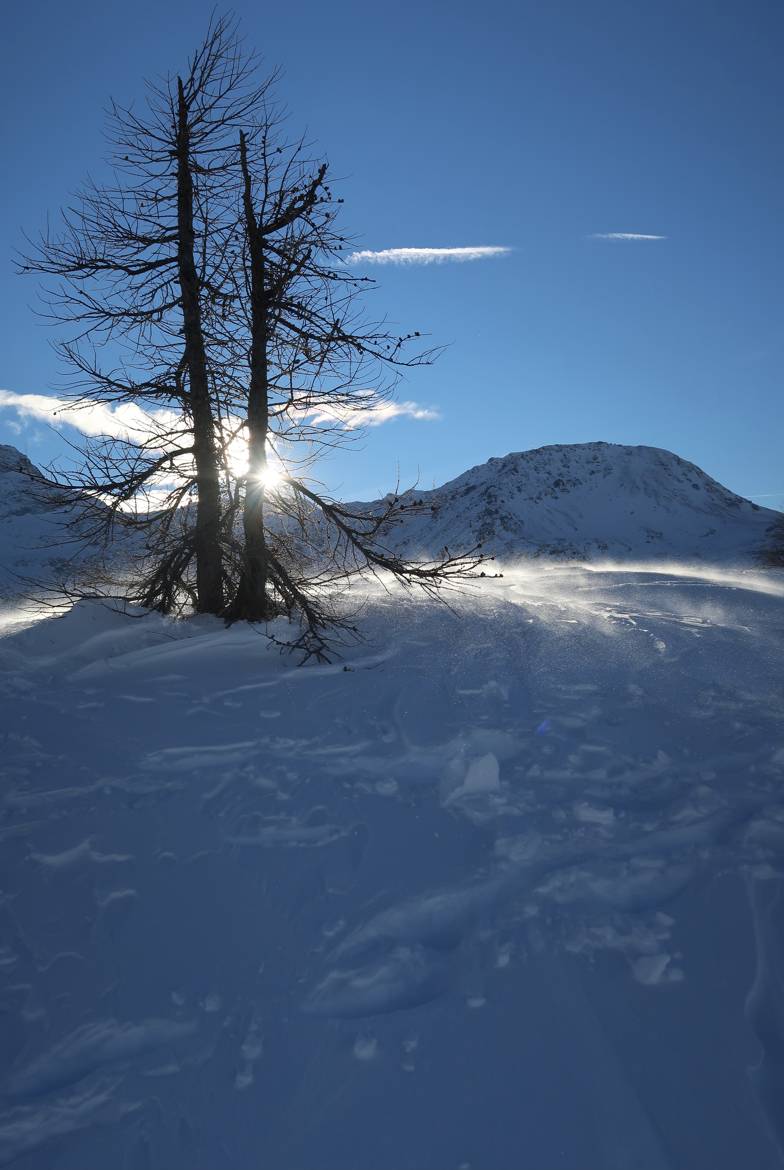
(125, 420)
(427, 255)
(128, 421)
(373, 416)
(623, 236)
(386, 411)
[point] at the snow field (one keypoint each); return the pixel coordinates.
(501, 887)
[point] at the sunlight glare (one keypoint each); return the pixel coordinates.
(238, 464)
(272, 477)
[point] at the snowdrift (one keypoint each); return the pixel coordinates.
(503, 889)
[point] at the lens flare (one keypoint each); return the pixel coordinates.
(237, 460)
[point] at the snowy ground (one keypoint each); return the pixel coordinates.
(503, 889)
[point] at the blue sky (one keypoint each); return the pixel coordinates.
(528, 126)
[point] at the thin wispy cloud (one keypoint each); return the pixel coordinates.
(628, 237)
(428, 255)
(373, 416)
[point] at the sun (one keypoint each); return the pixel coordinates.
(237, 458)
(272, 477)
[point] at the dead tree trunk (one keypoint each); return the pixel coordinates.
(252, 601)
(207, 542)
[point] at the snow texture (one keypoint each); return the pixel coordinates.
(502, 888)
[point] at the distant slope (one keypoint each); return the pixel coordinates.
(588, 500)
(37, 537)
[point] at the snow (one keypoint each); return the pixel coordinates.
(503, 887)
(505, 892)
(583, 501)
(41, 537)
(103, 1042)
(587, 501)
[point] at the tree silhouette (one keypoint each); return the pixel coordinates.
(204, 295)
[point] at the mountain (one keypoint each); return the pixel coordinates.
(587, 501)
(38, 535)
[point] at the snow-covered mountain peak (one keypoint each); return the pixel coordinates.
(588, 500)
(38, 532)
(24, 489)
(13, 460)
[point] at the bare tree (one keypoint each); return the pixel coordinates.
(139, 268)
(212, 271)
(311, 356)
